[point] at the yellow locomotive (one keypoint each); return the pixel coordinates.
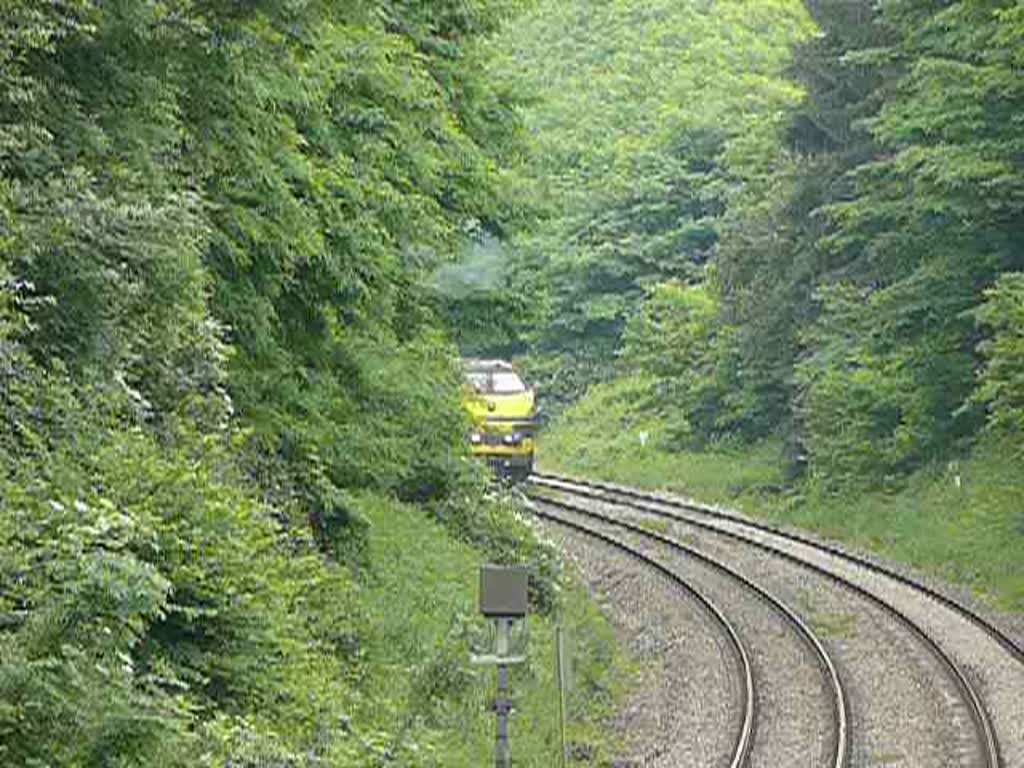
(504, 417)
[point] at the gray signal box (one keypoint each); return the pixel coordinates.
(503, 591)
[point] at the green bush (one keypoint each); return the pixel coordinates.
(142, 589)
(878, 398)
(1001, 381)
(490, 519)
(677, 339)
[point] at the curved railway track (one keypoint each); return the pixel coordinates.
(840, 751)
(1014, 648)
(731, 526)
(744, 736)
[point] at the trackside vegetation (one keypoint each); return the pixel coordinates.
(238, 525)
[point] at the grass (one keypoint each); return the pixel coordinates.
(420, 601)
(963, 521)
(835, 624)
(654, 524)
(598, 436)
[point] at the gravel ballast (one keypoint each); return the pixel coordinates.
(795, 712)
(685, 709)
(997, 675)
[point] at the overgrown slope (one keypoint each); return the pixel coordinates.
(784, 241)
(801, 226)
(643, 113)
(221, 373)
(785, 224)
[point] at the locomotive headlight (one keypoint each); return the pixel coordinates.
(513, 438)
(476, 438)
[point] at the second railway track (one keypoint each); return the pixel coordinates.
(986, 746)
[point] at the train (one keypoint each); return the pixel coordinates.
(504, 417)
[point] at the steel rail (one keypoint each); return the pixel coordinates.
(641, 502)
(1014, 648)
(840, 706)
(745, 736)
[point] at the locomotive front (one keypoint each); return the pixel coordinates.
(504, 417)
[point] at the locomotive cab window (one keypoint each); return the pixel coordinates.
(479, 381)
(497, 383)
(506, 384)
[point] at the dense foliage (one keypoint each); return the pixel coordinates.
(1002, 379)
(218, 356)
(273, 178)
(805, 235)
(676, 340)
(907, 162)
(637, 108)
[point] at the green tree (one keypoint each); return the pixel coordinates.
(676, 339)
(1001, 385)
(641, 109)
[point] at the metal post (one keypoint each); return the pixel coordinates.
(503, 598)
(502, 705)
(560, 674)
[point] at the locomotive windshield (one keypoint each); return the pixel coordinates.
(506, 383)
(496, 382)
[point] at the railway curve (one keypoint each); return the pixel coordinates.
(792, 548)
(838, 750)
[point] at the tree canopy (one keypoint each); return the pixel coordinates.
(216, 332)
(841, 182)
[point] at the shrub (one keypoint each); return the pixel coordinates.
(678, 340)
(1001, 381)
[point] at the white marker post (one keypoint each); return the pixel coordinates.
(503, 599)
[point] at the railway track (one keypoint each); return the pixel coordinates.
(839, 752)
(594, 489)
(747, 707)
(797, 550)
